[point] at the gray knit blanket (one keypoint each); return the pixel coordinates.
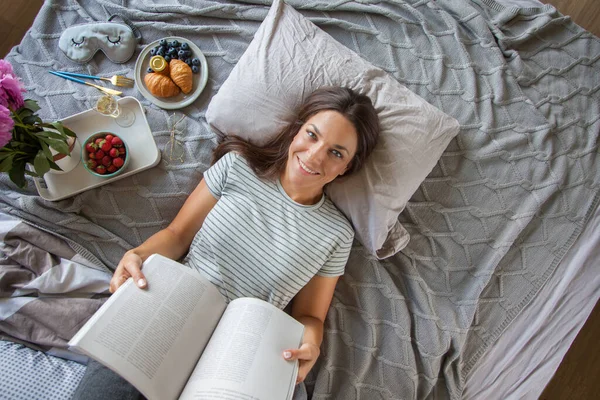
(488, 226)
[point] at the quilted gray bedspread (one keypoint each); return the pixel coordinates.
(488, 226)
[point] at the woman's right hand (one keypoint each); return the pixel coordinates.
(130, 266)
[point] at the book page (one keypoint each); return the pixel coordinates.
(243, 360)
(154, 337)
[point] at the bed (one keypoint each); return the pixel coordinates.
(501, 270)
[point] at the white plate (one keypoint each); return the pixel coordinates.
(142, 149)
(181, 100)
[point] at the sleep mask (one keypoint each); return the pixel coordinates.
(117, 41)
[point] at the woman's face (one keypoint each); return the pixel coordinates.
(320, 152)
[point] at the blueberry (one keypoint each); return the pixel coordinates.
(181, 53)
(152, 52)
(160, 53)
(188, 54)
(167, 58)
(185, 46)
(188, 61)
(163, 42)
(174, 56)
(171, 50)
(195, 61)
(195, 69)
(175, 43)
(149, 70)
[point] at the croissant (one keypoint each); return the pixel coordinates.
(160, 85)
(181, 73)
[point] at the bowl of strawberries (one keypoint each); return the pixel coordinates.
(105, 154)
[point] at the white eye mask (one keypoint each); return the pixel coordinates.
(81, 42)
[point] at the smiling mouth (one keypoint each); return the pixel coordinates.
(305, 168)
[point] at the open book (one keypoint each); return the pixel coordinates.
(179, 339)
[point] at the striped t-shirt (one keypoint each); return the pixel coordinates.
(258, 242)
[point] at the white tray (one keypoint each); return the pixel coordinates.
(142, 150)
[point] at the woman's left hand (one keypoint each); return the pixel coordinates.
(307, 356)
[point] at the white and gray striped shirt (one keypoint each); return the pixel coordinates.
(258, 242)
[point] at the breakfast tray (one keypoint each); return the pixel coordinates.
(143, 151)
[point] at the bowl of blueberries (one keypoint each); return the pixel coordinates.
(157, 56)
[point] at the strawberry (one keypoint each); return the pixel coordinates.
(92, 155)
(114, 152)
(108, 138)
(111, 168)
(92, 164)
(118, 162)
(100, 169)
(117, 142)
(99, 154)
(98, 141)
(106, 146)
(106, 161)
(90, 147)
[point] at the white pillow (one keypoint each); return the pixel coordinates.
(287, 60)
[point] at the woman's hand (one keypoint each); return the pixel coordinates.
(310, 307)
(307, 356)
(129, 266)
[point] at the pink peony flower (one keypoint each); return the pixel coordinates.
(11, 89)
(6, 126)
(5, 68)
(11, 92)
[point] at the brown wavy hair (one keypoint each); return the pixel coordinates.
(269, 160)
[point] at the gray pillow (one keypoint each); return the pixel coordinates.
(287, 60)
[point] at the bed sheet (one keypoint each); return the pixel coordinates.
(523, 360)
(28, 374)
(525, 357)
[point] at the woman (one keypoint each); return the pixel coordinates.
(259, 225)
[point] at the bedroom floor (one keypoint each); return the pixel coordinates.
(577, 377)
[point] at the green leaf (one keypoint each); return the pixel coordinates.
(32, 120)
(50, 134)
(54, 166)
(58, 126)
(46, 150)
(58, 145)
(69, 132)
(32, 105)
(29, 148)
(17, 175)
(19, 143)
(4, 154)
(24, 113)
(6, 163)
(40, 163)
